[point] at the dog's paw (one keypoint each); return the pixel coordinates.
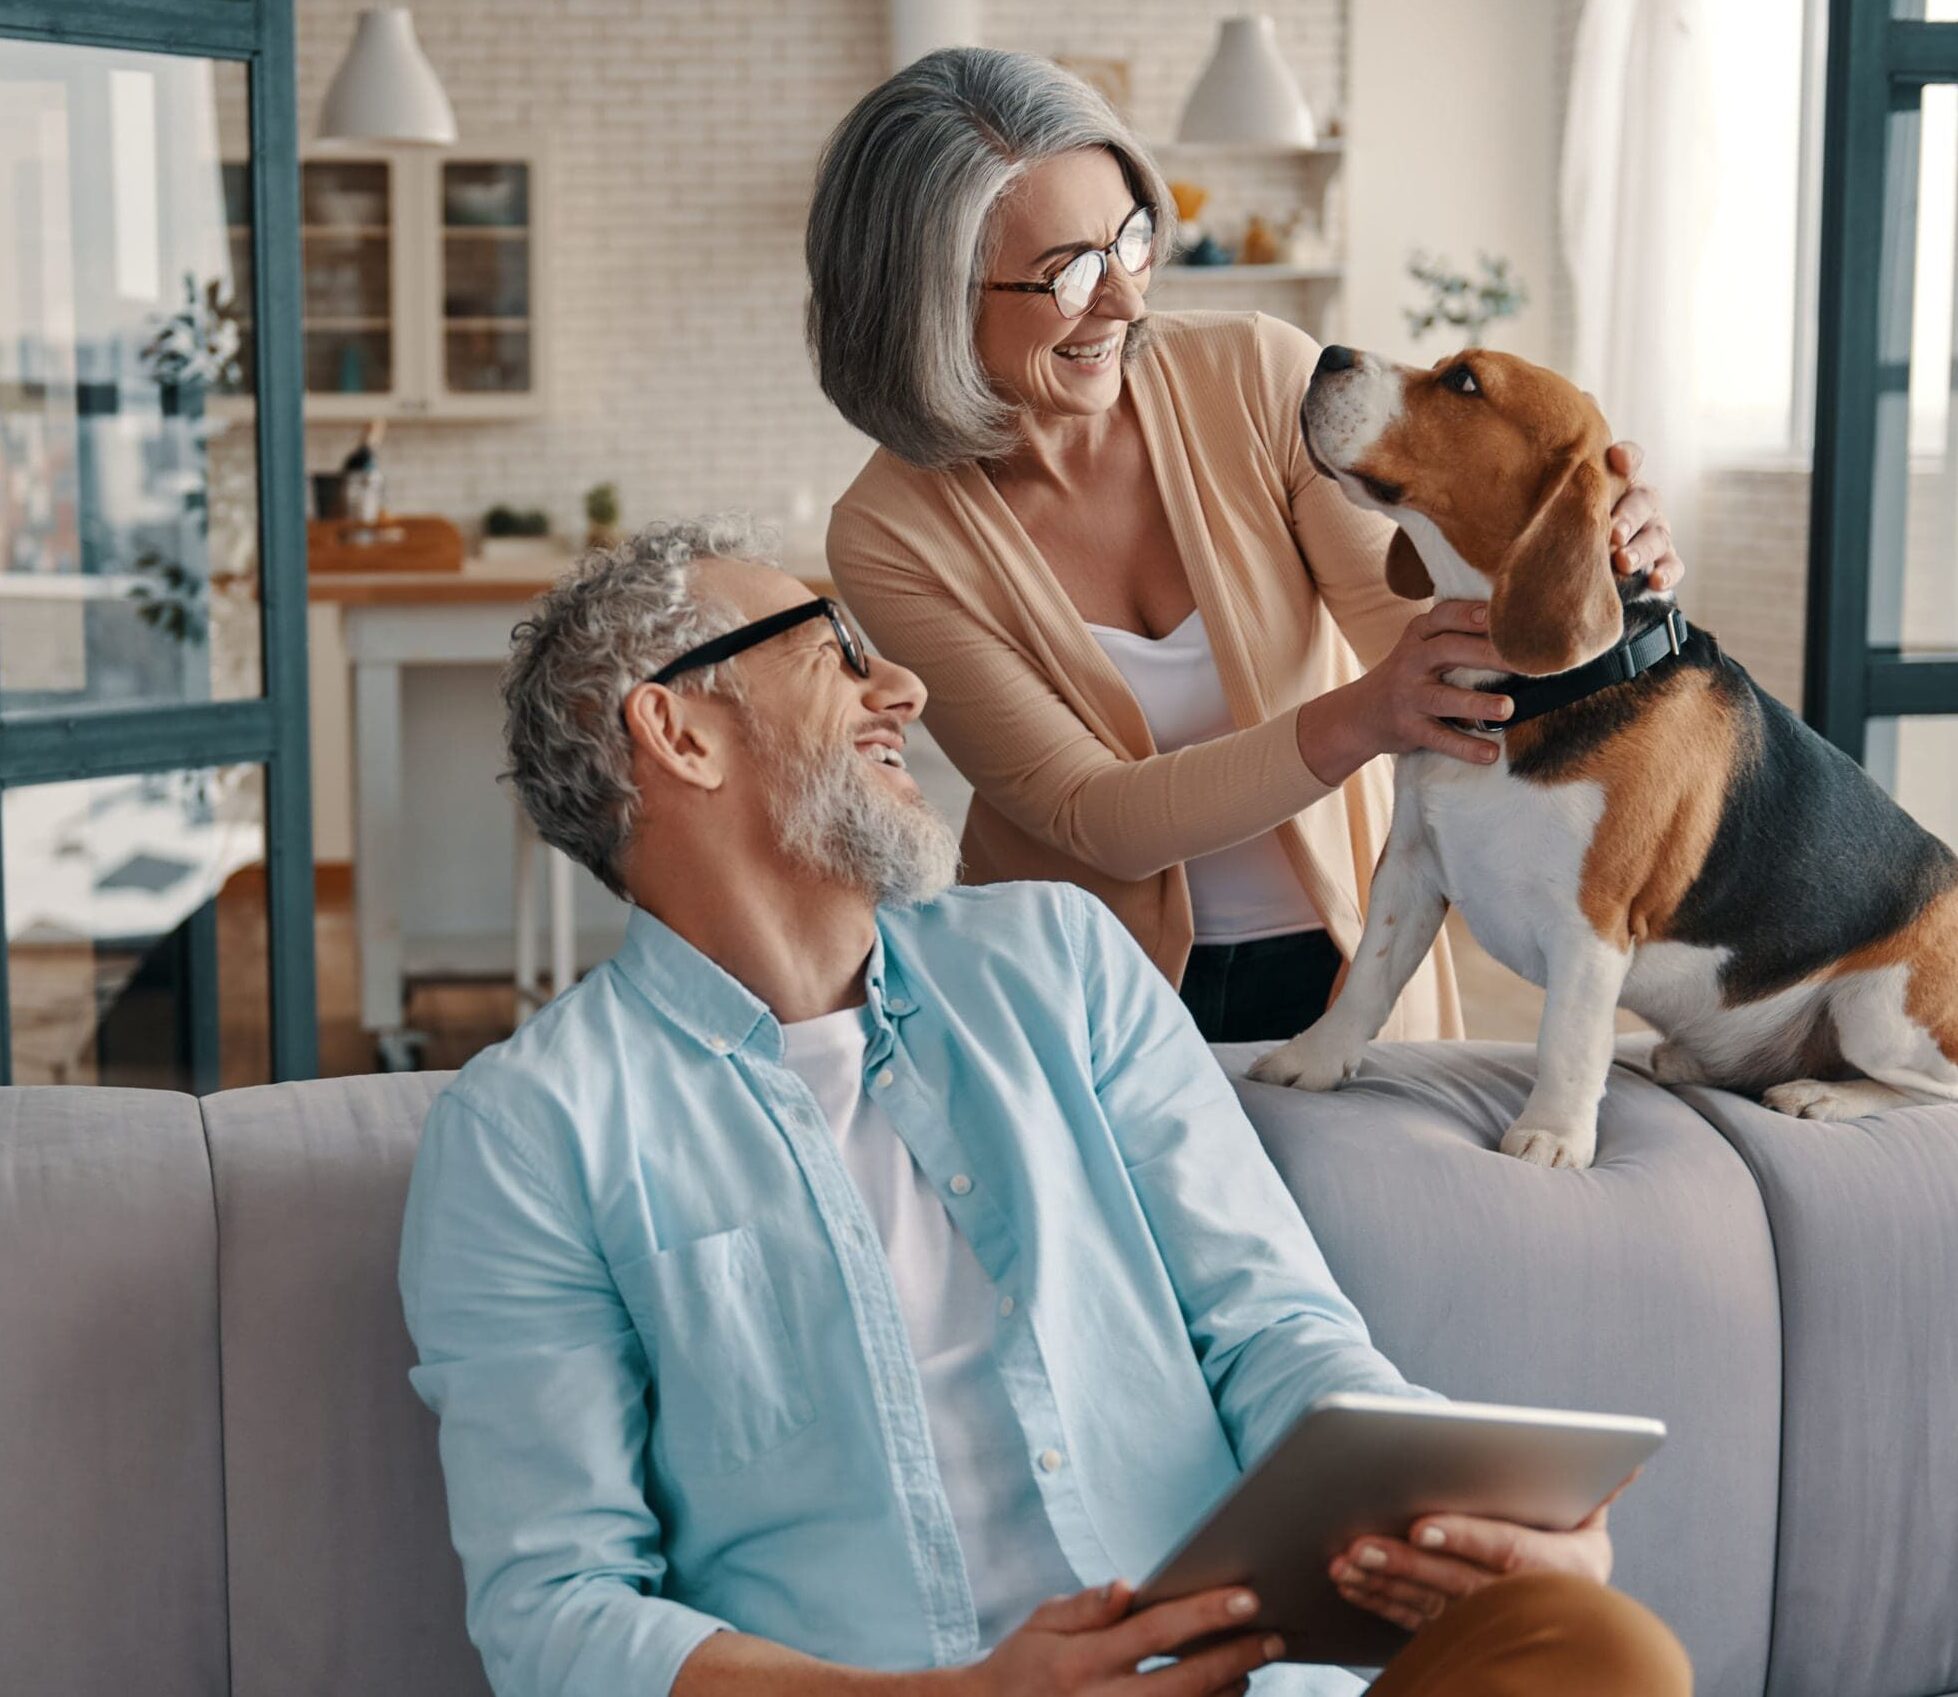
(1308, 1062)
(1545, 1146)
(1831, 1099)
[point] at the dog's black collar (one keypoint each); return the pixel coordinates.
(1534, 697)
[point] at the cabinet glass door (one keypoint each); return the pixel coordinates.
(487, 279)
(347, 238)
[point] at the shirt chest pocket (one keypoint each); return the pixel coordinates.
(728, 1383)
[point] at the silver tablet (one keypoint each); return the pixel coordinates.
(1355, 1464)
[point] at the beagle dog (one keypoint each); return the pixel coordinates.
(1657, 831)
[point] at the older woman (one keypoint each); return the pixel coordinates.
(1158, 643)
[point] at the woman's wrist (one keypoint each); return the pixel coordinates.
(1335, 734)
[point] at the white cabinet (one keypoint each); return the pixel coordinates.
(424, 279)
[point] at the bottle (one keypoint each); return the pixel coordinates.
(362, 471)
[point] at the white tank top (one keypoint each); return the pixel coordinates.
(1238, 894)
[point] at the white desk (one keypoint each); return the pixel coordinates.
(392, 622)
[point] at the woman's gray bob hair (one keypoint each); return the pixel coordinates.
(900, 239)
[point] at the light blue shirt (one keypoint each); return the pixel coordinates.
(675, 1387)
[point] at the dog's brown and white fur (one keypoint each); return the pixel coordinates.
(1680, 843)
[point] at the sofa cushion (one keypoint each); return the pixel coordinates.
(1645, 1285)
(342, 1575)
(111, 1488)
(1865, 1223)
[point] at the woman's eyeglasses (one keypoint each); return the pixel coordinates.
(719, 648)
(1078, 283)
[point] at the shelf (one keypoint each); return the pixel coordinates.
(505, 232)
(359, 232)
(1252, 273)
(344, 324)
(486, 323)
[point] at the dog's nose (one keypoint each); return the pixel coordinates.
(1336, 358)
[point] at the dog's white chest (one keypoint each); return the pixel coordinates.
(1511, 853)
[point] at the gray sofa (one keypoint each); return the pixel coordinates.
(214, 1477)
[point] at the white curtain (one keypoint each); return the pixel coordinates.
(1633, 212)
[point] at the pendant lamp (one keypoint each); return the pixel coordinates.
(385, 89)
(1247, 95)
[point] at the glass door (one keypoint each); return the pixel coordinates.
(155, 835)
(1882, 667)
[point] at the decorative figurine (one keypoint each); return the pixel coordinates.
(1260, 245)
(1197, 246)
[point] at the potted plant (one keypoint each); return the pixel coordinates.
(517, 536)
(1454, 299)
(602, 516)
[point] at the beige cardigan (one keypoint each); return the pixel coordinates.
(1067, 781)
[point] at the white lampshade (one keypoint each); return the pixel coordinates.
(1247, 93)
(385, 89)
(919, 27)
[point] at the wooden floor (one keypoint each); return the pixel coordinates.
(458, 1018)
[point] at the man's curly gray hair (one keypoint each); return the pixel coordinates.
(617, 617)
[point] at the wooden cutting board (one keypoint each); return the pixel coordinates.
(396, 544)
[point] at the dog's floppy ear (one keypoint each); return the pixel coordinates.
(1407, 573)
(1555, 605)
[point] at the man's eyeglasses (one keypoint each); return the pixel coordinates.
(719, 648)
(1078, 283)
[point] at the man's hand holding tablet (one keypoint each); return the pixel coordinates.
(1445, 1557)
(1372, 1514)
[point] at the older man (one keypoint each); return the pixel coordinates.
(853, 1268)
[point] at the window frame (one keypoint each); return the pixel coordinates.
(1878, 66)
(271, 730)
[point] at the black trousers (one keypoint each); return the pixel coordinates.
(1262, 992)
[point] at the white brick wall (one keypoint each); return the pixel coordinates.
(1748, 582)
(683, 136)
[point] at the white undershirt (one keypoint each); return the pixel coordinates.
(950, 1308)
(1238, 894)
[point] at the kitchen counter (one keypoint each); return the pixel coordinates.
(475, 584)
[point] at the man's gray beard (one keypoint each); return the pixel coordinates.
(832, 817)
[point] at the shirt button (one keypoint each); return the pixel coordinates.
(886, 1079)
(1051, 1460)
(960, 1184)
(1005, 1306)
(720, 1045)
(897, 1004)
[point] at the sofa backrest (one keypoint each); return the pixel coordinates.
(112, 1569)
(1643, 1285)
(214, 1476)
(342, 1576)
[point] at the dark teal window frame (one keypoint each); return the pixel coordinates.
(1877, 67)
(272, 730)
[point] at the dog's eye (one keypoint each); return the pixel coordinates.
(1461, 380)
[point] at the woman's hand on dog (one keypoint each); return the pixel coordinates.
(1445, 1557)
(1400, 704)
(1641, 539)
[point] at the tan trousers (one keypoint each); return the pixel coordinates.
(1541, 1635)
